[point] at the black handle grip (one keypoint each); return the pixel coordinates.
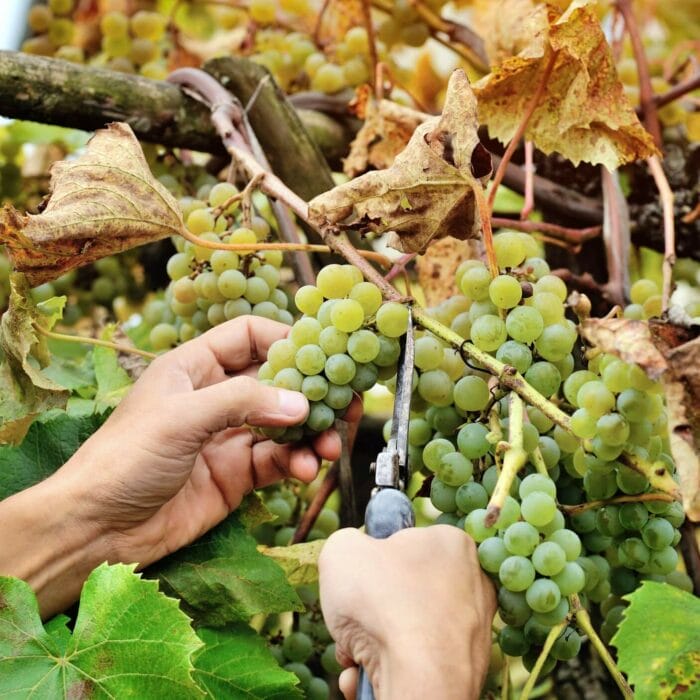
(388, 511)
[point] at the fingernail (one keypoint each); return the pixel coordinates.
(292, 403)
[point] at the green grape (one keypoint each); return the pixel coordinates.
(552, 284)
(548, 558)
(512, 641)
(537, 483)
(162, 336)
(474, 526)
(663, 562)
(340, 369)
(389, 351)
(200, 221)
(301, 671)
(446, 420)
(555, 342)
(538, 508)
(516, 573)
(571, 579)
(549, 305)
(633, 516)
(419, 432)
(232, 284)
(675, 514)
(521, 538)
(308, 299)
(216, 314)
(616, 376)
(537, 267)
(266, 372)
(237, 307)
(596, 398)
(633, 405)
(569, 541)
(39, 18)
(279, 299)
(434, 451)
(642, 290)
(428, 353)
(270, 274)
(613, 429)
(470, 496)
(257, 290)
(143, 51)
(328, 78)
(314, 387)
(329, 661)
(436, 387)
(492, 553)
(488, 332)
(482, 308)
(281, 354)
(566, 646)
(544, 377)
(310, 359)
(454, 469)
(365, 377)
(583, 423)
(321, 417)
(368, 295)
(339, 396)
(462, 324)
(524, 324)
(242, 236)
(640, 433)
(543, 595)
(574, 382)
(306, 331)
(392, 319)
(505, 291)
(472, 441)
(334, 281)
(555, 524)
(509, 249)
(283, 512)
(471, 393)
(633, 553)
(318, 689)
(550, 451)
(363, 346)
(657, 534)
(442, 496)
(223, 260)
(347, 315)
(475, 282)
(515, 354)
(332, 341)
(512, 607)
(148, 25)
(288, 378)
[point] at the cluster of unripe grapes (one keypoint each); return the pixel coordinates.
(345, 341)
(404, 24)
(210, 286)
(308, 650)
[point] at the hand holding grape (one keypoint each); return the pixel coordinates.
(173, 460)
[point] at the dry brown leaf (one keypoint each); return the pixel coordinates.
(387, 130)
(584, 113)
(436, 269)
(338, 17)
(428, 192)
(102, 203)
(670, 353)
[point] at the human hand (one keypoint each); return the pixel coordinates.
(414, 610)
(177, 455)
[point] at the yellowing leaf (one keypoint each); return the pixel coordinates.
(24, 390)
(436, 269)
(102, 203)
(299, 561)
(338, 17)
(583, 113)
(428, 192)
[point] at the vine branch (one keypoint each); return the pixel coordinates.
(65, 337)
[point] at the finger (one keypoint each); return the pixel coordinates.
(328, 445)
(354, 411)
(231, 346)
(347, 682)
(304, 464)
(240, 400)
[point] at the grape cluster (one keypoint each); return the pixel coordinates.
(308, 650)
(405, 26)
(210, 286)
(331, 352)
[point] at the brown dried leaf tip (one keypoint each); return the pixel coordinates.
(101, 203)
(428, 191)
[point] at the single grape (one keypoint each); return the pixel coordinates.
(538, 508)
(365, 377)
(515, 354)
(288, 378)
(472, 441)
(492, 553)
(571, 579)
(548, 558)
(475, 282)
(368, 295)
(340, 369)
(488, 332)
(512, 607)
(521, 538)
(428, 353)
(392, 319)
(454, 469)
(516, 573)
(657, 533)
(567, 646)
(314, 387)
(347, 315)
(308, 299)
(543, 595)
(470, 496)
(442, 496)
(544, 377)
(512, 641)
(474, 526)
(436, 387)
(321, 417)
(505, 291)
(363, 346)
(434, 451)
(310, 359)
(163, 336)
(471, 393)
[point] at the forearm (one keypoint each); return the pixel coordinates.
(47, 543)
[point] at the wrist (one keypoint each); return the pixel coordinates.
(49, 541)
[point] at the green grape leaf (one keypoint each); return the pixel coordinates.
(101, 203)
(658, 642)
(24, 389)
(299, 561)
(49, 443)
(77, 376)
(113, 382)
(222, 577)
(129, 640)
(236, 663)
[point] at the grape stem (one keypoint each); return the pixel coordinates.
(656, 472)
(513, 460)
(538, 462)
(640, 498)
(328, 485)
(583, 620)
(505, 678)
(94, 341)
(571, 236)
(546, 648)
(507, 375)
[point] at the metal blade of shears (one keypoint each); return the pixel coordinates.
(392, 463)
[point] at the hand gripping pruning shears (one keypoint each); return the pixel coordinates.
(389, 509)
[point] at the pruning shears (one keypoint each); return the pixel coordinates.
(389, 509)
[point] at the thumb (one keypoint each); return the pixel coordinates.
(347, 682)
(243, 400)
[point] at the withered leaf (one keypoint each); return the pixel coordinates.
(101, 203)
(24, 390)
(436, 269)
(299, 561)
(338, 17)
(667, 352)
(584, 113)
(428, 192)
(387, 130)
